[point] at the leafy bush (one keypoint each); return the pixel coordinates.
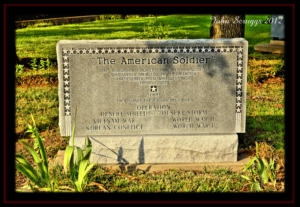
(155, 29)
(260, 172)
(40, 177)
(33, 64)
(19, 69)
(78, 168)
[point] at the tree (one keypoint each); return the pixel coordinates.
(227, 26)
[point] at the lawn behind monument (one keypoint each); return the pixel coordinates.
(37, 85)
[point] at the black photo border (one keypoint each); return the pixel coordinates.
(10, 10)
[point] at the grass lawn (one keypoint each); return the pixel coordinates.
(36, 93)
(40, 42)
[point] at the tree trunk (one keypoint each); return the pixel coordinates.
(227, 26)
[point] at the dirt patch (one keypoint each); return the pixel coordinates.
(276, 80)
(37, 81)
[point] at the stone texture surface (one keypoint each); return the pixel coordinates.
(154, 101)
(146, 87)
(239, 165)
(277, 26)
(163, 149)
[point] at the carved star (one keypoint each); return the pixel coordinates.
(67, 101)
(90, 51)
(197, 49)
(71, 51)
(65, 57)
(184, 49)
(67, 107)
(203, 49)
(78, 51)
(238, 110)
(68, 113)
(66, 76)
(83, 51)
(238, 98)
(65, 51)
(96, 51)
(209, 49)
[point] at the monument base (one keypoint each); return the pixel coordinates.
(162, 149)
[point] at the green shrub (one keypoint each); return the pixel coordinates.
(155, 29)
(42, 65)
(34, 64)
(41, 177)
(19, 69)
(78, 168)
(48, 63)
(260, 172)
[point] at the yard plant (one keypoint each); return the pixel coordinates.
(78, 168)
(37, 94)
(40, 177)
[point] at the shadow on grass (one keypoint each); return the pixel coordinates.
(270, 129)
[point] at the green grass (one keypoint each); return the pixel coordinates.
(259, 34)
(220, 180)
(40, 42)
(42, 102)
(265, 115)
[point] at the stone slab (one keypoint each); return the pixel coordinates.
(277, 26)
(237, 166)
(270, 48)
(277, 42)
(152, 87)
(163, 149)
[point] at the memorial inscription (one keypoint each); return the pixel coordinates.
(152, 87)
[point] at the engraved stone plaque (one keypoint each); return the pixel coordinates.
(152, 87)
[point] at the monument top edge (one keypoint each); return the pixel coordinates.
(165, 41)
